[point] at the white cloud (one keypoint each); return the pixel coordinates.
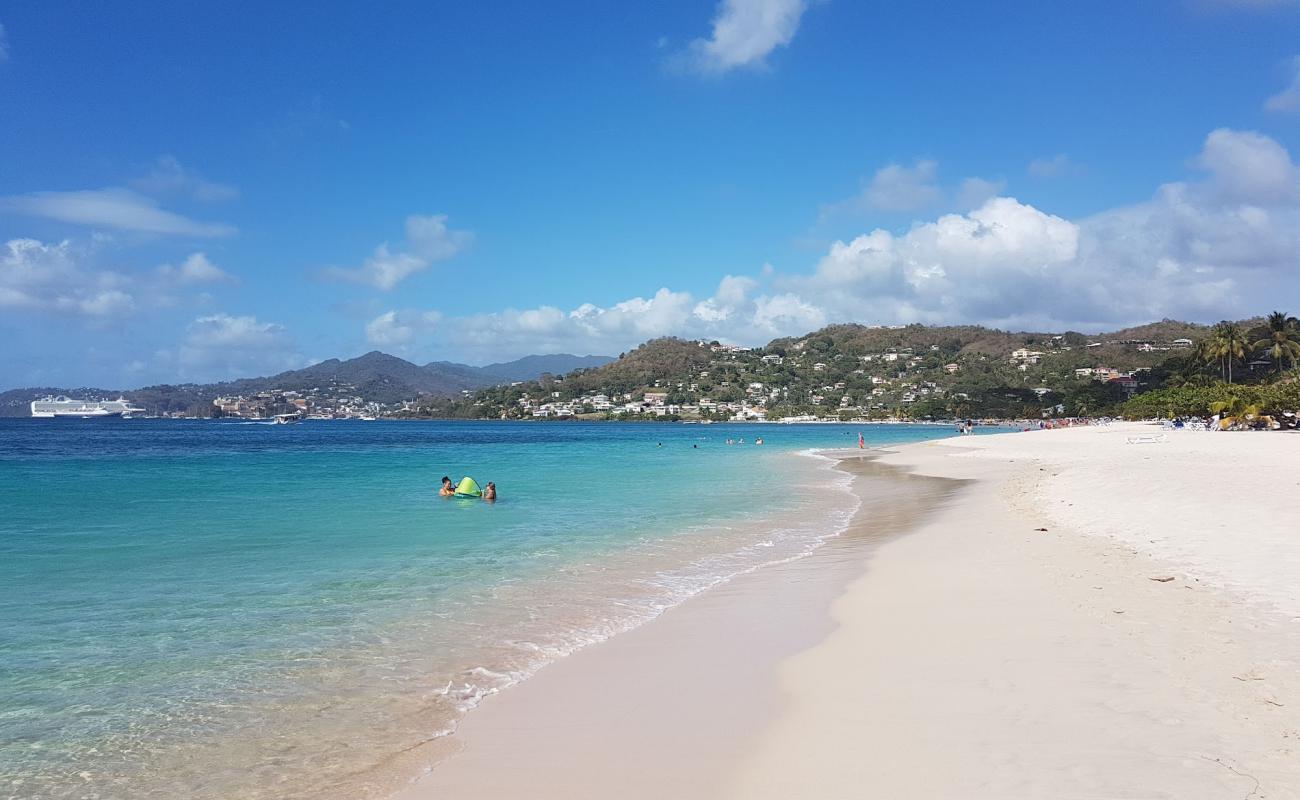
(1221, 246)
(168, 177)
(1053, 167)
(1249, 166)
(784, 315)
(66, 278)
(35, 276)
(974, 192)
(744, 33)
(122, 209)
(397, 329)
(428, 239)
(899, 188)
(895, 188)
(733, 314)
(1289, 98)
(220, 346)
(196, 269)
(728, 301)
(1218, 247)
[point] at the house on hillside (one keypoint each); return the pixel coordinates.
(1181, 344)
(1025, 356)
(1126, 382)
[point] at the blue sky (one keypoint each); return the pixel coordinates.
(198, 192)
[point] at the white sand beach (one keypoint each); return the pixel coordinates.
(1146, 644)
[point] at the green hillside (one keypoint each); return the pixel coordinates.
(857, 371)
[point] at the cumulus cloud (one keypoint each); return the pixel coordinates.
(168, 177)
(899, 188)
(397, 329)
(744, 33)
(428, 240)
(220, 346)
(1248, 166)
(36, 276)
(733, 291)
(1203, 249)
(1221, 245)
(733, 313)
(974, 192)
(895, 188)
(1053, 167)
(196, 269)
(66, 279)
(122, 209)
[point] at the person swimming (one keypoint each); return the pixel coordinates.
(490, 493)
(448, 488)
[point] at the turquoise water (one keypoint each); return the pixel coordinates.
(222, 609)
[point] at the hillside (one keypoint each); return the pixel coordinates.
(375, 377)
(530, 367)
(854, 371)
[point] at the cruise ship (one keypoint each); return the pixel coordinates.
(62, 406)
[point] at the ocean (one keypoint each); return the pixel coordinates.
(219, 609)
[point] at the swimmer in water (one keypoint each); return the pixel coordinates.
(448, 488)
(490, 493)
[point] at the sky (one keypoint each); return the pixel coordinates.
(195, 192)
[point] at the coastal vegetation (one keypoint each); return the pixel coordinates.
(1244, 369)
(1238, 369)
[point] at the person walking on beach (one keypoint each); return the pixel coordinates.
(862, 443)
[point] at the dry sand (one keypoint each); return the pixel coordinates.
(973, 657)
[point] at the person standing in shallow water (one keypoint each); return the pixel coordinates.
(448, 488)
(490, 493)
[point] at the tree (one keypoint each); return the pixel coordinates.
(1279, 342)
(1226, 344)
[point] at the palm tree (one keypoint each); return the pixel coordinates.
(1226, 344)
(1279, 342)
(1234, 411)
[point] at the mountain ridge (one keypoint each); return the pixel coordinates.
(375, 376)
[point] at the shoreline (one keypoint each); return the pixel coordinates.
(968, 652)
(663, 690)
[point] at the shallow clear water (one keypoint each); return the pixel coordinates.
(221, 609)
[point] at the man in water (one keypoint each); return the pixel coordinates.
(490, 493)
(448, 488)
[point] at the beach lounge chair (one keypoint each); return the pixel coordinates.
(1147, 438)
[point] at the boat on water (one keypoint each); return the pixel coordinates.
(63, 406)
(287, 419)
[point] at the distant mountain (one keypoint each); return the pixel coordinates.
(375, 376)
(530, 367)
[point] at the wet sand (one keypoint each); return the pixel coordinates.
(670, 709)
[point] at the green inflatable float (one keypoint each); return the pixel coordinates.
(468, 488)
